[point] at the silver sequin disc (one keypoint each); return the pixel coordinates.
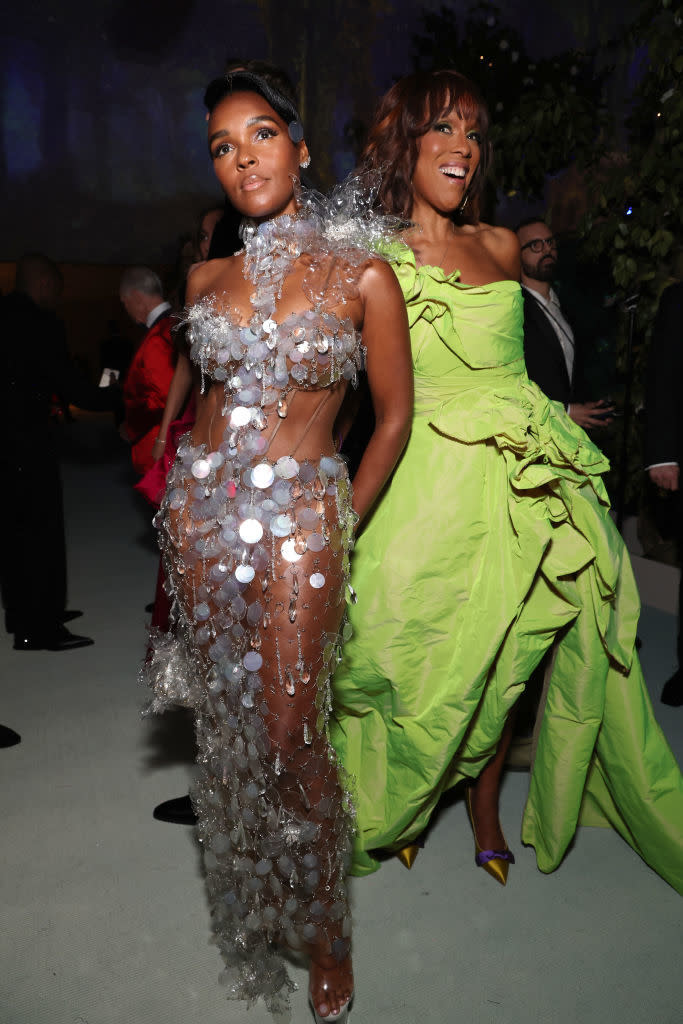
(240, 416)
(244, 573)
(286, 467)
(252, 661)
(251, 531)
(201, 468)
(316, 542)
(288, 551)
(262, 475)
(317, 580)
(281, 526)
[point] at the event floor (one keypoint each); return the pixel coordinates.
(104, 916)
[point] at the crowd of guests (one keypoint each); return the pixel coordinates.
(475, 538)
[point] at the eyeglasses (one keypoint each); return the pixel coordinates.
(539, 244)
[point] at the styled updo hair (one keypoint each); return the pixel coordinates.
(406, 113)
(249, 81)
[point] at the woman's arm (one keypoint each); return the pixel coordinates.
(390, 377)
(180, 388)
(181, 385)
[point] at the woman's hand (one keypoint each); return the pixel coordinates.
(158, 448)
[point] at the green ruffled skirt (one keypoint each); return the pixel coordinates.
(492, 541)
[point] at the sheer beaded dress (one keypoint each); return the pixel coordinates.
(256, 551)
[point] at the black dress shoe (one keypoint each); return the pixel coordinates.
(58, 640)
(73, 613)
(178, 811)
(8, 737)
(672, 693)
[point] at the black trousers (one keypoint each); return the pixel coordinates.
(33, 550)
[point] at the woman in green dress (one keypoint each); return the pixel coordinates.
(491, 543)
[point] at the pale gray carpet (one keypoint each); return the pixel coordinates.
(104, 919)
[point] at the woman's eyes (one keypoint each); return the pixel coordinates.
(447, 129)
(223, 148)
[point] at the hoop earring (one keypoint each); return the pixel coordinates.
(306, 163)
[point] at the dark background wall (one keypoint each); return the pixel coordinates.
(103, 155)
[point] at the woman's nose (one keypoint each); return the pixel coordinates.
(245, 158)
(461, 144)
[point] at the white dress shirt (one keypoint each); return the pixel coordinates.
(155, 313)
(565, 335)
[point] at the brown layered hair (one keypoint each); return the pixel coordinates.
(406, 113)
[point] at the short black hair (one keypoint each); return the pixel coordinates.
(527, 221)
(272, 73)
(249, 81)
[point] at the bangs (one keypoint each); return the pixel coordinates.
(447, 91)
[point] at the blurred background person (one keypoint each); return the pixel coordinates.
(664, 432)
(550, 350)
(149, 376)
(34, 366)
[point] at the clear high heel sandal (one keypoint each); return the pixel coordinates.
(332, 1018)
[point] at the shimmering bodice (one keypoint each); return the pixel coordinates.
(260, 360)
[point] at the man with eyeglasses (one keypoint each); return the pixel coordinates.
(549, 345)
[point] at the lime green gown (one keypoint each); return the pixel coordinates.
(492, 541)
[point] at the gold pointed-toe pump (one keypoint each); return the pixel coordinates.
(408, 854)
(495, 862)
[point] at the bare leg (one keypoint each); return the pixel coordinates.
(274, 819)
(485, 791)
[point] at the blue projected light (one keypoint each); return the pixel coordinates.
(22, 116)
(629, 211)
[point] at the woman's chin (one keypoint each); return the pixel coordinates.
(259, 206)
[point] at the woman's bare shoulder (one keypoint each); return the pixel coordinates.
(502, 244)
(377, 271)
(209, 278)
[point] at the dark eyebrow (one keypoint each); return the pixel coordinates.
(252, 121)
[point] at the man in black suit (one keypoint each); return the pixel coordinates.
(549, 343)
(34, 366)
(664, 430)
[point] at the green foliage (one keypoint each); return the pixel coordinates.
(648, 180)
(546, 114)
(635, 218)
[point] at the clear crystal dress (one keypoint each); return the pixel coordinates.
(256, 551)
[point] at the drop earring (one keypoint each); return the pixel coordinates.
(305, 163)
(463, 204)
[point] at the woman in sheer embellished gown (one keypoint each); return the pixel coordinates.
(256, 527)
(492, 542)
